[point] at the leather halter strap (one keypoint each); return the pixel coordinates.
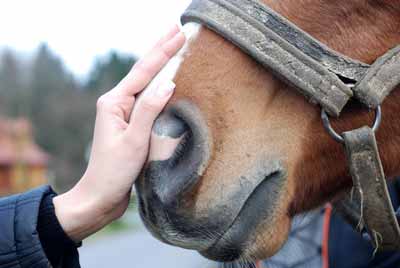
(249, 29)
(382, 77)
(327, 78)
(370, 189)
(315, 70)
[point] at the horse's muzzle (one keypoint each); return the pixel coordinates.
(167, 190)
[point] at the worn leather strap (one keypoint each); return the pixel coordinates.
(241, 24)
(369, 183)
(296, 57)
(382, 77)
(332, 60)
(350, 209)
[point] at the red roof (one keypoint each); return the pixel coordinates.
(17, 144)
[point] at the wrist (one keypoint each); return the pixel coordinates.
(78, 214)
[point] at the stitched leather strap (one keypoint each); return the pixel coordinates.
(382, 77)
(236, 21)
(332, 60)
(369, 184)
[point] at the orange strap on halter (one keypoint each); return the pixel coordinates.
(325, 236)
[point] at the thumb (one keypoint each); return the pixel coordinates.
(147, 108)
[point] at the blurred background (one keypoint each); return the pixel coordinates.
(56, 59)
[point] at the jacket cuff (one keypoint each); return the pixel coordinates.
(19, 239)
(52, 236)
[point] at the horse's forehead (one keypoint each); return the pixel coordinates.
(170, 70)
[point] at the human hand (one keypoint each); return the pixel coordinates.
(120, 146)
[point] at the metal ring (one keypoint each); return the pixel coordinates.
(339, 138)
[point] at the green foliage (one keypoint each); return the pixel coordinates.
(108, 71)
(11, 88)
(61, 109)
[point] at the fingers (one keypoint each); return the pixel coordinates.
(145, 70)
(120, 106)
(172, 32)
(147, 108)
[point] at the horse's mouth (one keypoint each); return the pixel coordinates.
(259, 207)
(227, 239)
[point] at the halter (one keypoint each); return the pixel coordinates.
(329, 79)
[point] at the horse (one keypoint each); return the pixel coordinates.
(237, 153)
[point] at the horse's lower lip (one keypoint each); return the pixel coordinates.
(258, 207)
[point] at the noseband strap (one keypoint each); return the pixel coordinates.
(327, 78)
(318, 72)
(246, 24)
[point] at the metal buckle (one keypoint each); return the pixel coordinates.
(339, 138)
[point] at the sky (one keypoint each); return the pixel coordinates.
(80, 30)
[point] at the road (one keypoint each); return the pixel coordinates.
(137, 249)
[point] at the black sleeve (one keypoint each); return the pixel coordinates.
(20, 245)
(54, 240)
(397, 193)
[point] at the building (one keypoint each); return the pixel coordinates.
(23, 165)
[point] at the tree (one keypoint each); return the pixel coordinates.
(62, 116)
(48, 78)
(11, 85)
(108, 71)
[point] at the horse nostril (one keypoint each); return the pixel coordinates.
(168, 125)
(168, 135)
(179, 155)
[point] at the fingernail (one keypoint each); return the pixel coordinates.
(165, 89)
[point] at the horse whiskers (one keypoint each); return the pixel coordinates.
(249, 261)
(243, 262)
(171, 227)
(198, 228)
(240, 263)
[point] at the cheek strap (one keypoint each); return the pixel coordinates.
(369, 204)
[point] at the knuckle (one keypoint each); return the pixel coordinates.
(166, 53)
(143, 67)
(102, 102)
(108, 102)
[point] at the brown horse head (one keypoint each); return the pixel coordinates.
(237, 153)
